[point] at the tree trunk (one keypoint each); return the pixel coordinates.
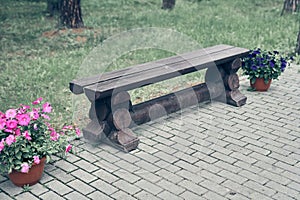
(290, 6)
(168, 4)
(71, 14)
(298, 43)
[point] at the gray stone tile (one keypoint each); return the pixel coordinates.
(167, 195)
(75, 195)
(5, 196)
(51, 195)
(26, 196)
(127, 187)
(143, 195)
(148, 186)
(260, 188)
(86, 166)
(195, 178)
(99, 195)
(188, 185)
(107, 176)
(122, 195)
(58, 187)
(83, 176)
(147, 175)
(10, 188)
(81, 187)
(171, 187)
(104, 187)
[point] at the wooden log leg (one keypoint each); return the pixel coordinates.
(98, 127)
(125, 140)
(214, 81)
(95, 131)
(122, 137)
(226, 74)
(231, 82)
(120, 100)
(236, 98)
(99, 110)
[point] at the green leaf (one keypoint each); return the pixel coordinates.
(266, 81)
(19, 155)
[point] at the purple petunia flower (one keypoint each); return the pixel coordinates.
(254, 68)
(283, 66)
(255, 52)
(272, 63)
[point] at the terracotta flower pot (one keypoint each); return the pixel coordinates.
(260, 85)
(32, 177)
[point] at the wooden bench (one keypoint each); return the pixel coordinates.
(112, 113)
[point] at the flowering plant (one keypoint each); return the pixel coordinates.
(26, 136)
(264, 64)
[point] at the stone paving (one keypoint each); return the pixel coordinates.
(210, 151)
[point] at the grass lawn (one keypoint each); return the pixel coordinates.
(38, 60)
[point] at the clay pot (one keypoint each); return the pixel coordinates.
(32, 177)
(260, 85)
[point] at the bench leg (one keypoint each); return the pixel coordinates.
(98, 128)
(110, 119)
(232, 83)
(226, 75)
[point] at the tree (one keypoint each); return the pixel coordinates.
(168, 4)
(70, 16)
(290, 6)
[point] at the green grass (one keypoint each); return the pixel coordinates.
(32, 65)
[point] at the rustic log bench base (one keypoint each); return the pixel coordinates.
(112, 113)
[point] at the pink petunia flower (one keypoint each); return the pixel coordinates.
(2, 145)
(67, 127)
(36, 160)
(2, 123)
(11, 124)
(8, 130)
(37, 101)
(68, 148)
(45, 116)
(25, 168)
(34, 114)
(10, 139)
(47, 107)
(35, 126)
(50, 128)
(11, 113)
(26, 134)
(17, 132)
(23, 109)
(2, 115)
(77, 130)
(54, 136)
(23, 119)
